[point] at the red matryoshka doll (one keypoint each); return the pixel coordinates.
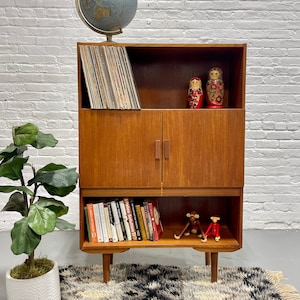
(195, 93)
(215, 88)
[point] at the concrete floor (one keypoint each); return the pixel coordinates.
(275, 250)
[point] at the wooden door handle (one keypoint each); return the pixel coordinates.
(157, 149)
(167, 149)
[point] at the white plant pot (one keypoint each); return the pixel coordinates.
(43, 287)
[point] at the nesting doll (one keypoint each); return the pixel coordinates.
(215, 88)
(195, 93)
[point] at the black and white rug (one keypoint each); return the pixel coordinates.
(158, 282)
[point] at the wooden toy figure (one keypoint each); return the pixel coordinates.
(212, 230)
(192, 226)
(215, 88)
(195, 93)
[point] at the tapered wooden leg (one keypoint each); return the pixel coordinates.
(214, 266)
(106, 260)
(207, 258)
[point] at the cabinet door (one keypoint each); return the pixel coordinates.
(117, 148)
(205, 148)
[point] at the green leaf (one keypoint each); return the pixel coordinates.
(56, 206)
(61, 192)
(12, 150)
(56, 175)
(64, 225)
(44, 140)
(41, 220)
(15, 203)
(11, 188)
(24, 239)
(53, 167)
(12, 168)
(25, 134)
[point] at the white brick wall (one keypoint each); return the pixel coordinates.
(38, 83)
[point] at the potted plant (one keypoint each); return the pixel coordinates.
(40, 214)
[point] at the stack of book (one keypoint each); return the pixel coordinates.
(109, 78)
(123, 220)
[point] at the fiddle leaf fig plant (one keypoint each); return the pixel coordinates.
(40, 214)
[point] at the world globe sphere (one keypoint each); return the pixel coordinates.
(106, 16)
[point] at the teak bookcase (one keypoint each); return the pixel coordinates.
(187, 159)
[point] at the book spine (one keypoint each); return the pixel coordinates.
(136, 223)
(87, 224)
(107, 222)
(98, 222)
(145, 221)
(130, 78)
(121, 220)
(103, 223)
(125, 220)
(141, 221)
(112, 223)
(117, 220)
(149, 221)
(92, 222)
(130, 219)
(154, 227)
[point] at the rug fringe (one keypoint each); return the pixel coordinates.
(288, 292)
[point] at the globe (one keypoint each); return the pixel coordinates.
(106, 16)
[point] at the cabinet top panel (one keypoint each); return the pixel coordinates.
(165, 45)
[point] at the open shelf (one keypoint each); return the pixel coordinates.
(162, 72)
(172, 214)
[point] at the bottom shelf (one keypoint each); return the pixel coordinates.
(227, 243)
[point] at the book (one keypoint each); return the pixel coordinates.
(117, 220)
(89, 70)
(103, 222)
(135, 220)
(141, 221)
(107, 222)
(99, 101)
(149, 221)
(112, 79)
(121, 219)
(130, 78)
(125, 220)
(145, 221)
(92, 222)
(130, 219)
(105, 86)
(98, 222)
(87, 224)
(155, 218)
(112, 223)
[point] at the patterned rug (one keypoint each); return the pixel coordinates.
(158, 282)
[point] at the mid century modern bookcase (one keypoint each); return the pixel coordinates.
(187, 159)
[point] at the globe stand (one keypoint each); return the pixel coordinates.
(108, 34)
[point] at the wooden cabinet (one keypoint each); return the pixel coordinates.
(187, 159)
